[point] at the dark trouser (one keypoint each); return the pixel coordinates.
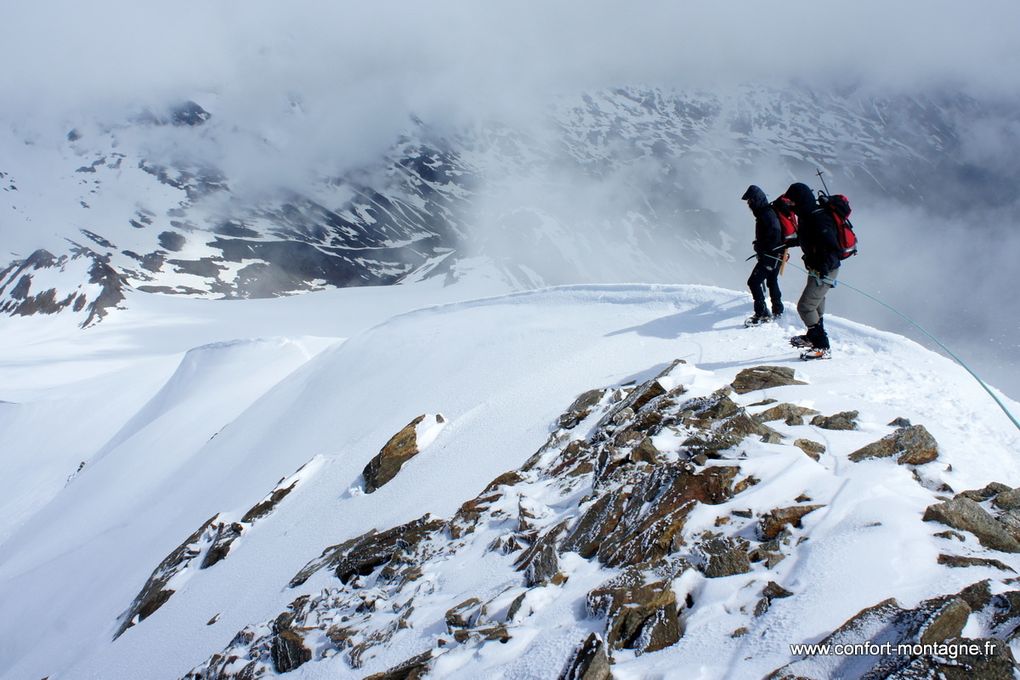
(811, 307)
(765, 274)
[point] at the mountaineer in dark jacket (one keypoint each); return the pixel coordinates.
(768, 245)
(816, 236)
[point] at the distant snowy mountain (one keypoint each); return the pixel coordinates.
(527, 485)
(614, 185)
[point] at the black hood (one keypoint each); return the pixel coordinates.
(802, 196)
(755, 197)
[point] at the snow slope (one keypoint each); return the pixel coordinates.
(175, 429)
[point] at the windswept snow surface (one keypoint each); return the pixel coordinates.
(177, 422)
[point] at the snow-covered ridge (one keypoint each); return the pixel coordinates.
(502, 371)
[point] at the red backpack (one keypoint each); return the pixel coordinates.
(838, 207)
(783, 207)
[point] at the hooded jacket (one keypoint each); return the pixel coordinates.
(768, 237)
(816, 230)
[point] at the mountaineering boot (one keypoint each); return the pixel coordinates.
(757, 320)
(800, 341)
(816, 353)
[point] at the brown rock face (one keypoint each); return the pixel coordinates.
(368, 552)
(785, 412)
(589, 662)
(155, 593)
(414, 668)
(762, 377)
(402, 447)
(288, 651)
(772, 523)
(580, 409)
(966, 515)
(724, 556)
(913, 445)
(640, 615)
(932, 622)
(541, 562)
(630, 527)
(844, 420)
(811, 448)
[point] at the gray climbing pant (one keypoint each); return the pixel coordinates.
(811, 305)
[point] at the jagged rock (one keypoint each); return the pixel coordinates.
(464, 615)
(730, 433)
(645, 452)
(580, 409)
(773, 522)
(959, 561)
(813, 449)
(644, 524)
(541, 563)
(1010, 520)
(596, 524)
(402, 447)
(964, 514)
(368, 552)
(267, 505)
(589, 661)
(639, 397)
(415, 668)
(932, 622)
(785, 412)
(288, 651)
(772, 591)
(763, 402)
(844, 420)
(981, 495)
(913, 445)
(225, 536)
(493, 631)
(703, 412)
(724, 556)
(1007, 500)
(155, 592)
(641, 616)
(762, 377)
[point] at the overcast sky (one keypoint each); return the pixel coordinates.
(434, 56)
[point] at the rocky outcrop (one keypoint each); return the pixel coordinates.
(723, 556)
(617, 483)
(209, 545)
(639, 615)
(364, 554)
(763, 377)
(775, 521)
(788, 413)
(812, 448)
(415, 668)
(912, 445)
(966, 515)
(923, 642)
(580, 409)
(156, 590)
(402, 447)
(845, 420)
(589, 661)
